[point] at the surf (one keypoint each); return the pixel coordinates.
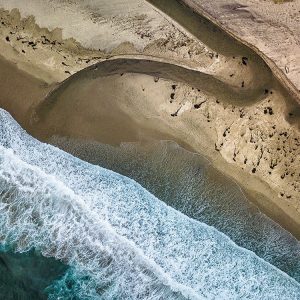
(119, 240)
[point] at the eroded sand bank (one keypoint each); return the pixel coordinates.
(271, 28)
(256, 142)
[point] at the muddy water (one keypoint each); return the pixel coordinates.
(204, 30)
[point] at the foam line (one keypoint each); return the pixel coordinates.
(121, 241)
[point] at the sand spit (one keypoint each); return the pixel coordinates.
(125, 99)
(237, 114)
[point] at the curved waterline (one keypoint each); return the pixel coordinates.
(160, 68)
(122, 241)
(188, 182)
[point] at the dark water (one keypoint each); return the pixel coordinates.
(183, 180)
(28, 275)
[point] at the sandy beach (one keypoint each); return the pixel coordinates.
(271, 28)
(157, 80)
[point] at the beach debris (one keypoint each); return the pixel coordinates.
(287, 70)
(242, 113)
(198, 105)
(175, 114)
(268, 110)
(245, 60)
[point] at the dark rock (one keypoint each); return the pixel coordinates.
(245, 60)
(198, 105)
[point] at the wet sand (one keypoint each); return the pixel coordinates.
(19, 91)
(91, 105)
(130, 107)
(189, 183)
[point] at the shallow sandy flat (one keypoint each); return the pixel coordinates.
(123, 100)
(19, 91)
(237, 114)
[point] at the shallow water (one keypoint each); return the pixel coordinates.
(120, 241)
(187, 182)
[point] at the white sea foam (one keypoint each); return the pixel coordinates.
(122, 242)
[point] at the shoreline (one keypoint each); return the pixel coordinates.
(265, 204)
(283, 79)
(203, 145)
(292, 223)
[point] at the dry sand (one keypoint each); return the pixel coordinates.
(240, 118)
(272, 28)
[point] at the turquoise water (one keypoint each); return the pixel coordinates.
(119, 241)
(187, 182)
(27, 275)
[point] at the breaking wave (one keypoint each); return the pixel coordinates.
(188, 182)
(118, 239)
